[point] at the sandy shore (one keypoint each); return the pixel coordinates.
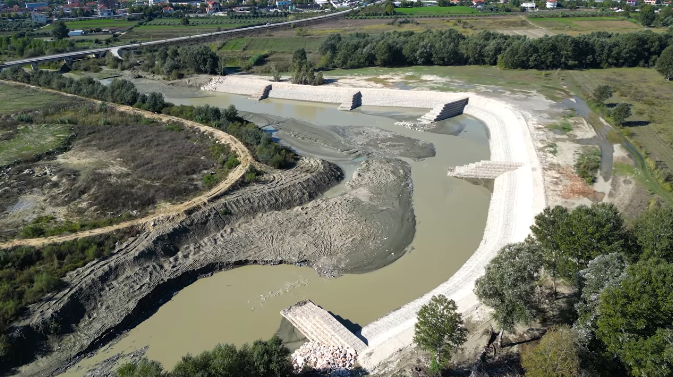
(517, 197)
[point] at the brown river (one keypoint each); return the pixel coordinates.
(243, 304)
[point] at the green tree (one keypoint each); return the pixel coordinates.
(510, 283)
(230, 113)
(143, 368)
(184, 21)
(123, 92)
(557, 355)
(647, 15)
(384, 54)
(299, 58)
(665, 63)
(654, 233)
(635, 319)
(620, 113)
(570, 241)
(440, 327)
(59, 30)
(155, 102)
(602, 93)
(605, 271)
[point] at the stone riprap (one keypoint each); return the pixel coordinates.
(336, 361)
(320, 326)
(518, 196)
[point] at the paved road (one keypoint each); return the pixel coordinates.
(115, 50)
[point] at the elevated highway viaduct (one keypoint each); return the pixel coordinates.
(68, 57)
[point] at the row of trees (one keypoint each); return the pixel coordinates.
(261, 359)
(449, 47)
(623, 279)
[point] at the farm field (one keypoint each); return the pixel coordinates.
(146, 32)
(585, 25)
(93, 24)
(436, 10)
(195, 21)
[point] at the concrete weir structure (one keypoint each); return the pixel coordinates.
(518, 194)
(320, 326)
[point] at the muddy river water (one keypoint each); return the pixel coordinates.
(243, 304)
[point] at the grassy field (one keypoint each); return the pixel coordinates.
(32, 140)
(93, 24)
(436, 10)
(651, 125)
(14, 100)
(585, 25)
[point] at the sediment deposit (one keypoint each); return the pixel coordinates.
(258, 224)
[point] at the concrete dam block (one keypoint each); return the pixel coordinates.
(351, 102)
(445, 111)
(484, 169)
(262, 94)
(318, 325)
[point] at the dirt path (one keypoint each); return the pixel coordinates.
(168, 213)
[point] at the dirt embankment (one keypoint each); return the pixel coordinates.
(260, 224)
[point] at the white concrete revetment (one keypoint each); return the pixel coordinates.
(518, 195)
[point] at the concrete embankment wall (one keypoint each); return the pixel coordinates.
(331, 94)
(517, 196)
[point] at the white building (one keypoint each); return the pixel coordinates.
(528, 6)
(551, 4)
(75, 33)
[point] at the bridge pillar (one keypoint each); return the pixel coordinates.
(68, 60)
(35, 67)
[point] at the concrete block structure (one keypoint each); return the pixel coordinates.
(320, 326)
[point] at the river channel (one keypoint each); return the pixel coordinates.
(243, 304)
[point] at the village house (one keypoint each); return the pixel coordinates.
(551, 4)
(39, 18)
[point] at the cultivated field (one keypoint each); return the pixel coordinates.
(149, 32)
(585, 25)
(93, 24)
(436, 10)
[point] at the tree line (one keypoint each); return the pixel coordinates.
(450, 47)
(260, 359)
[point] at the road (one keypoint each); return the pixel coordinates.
(115, 50)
